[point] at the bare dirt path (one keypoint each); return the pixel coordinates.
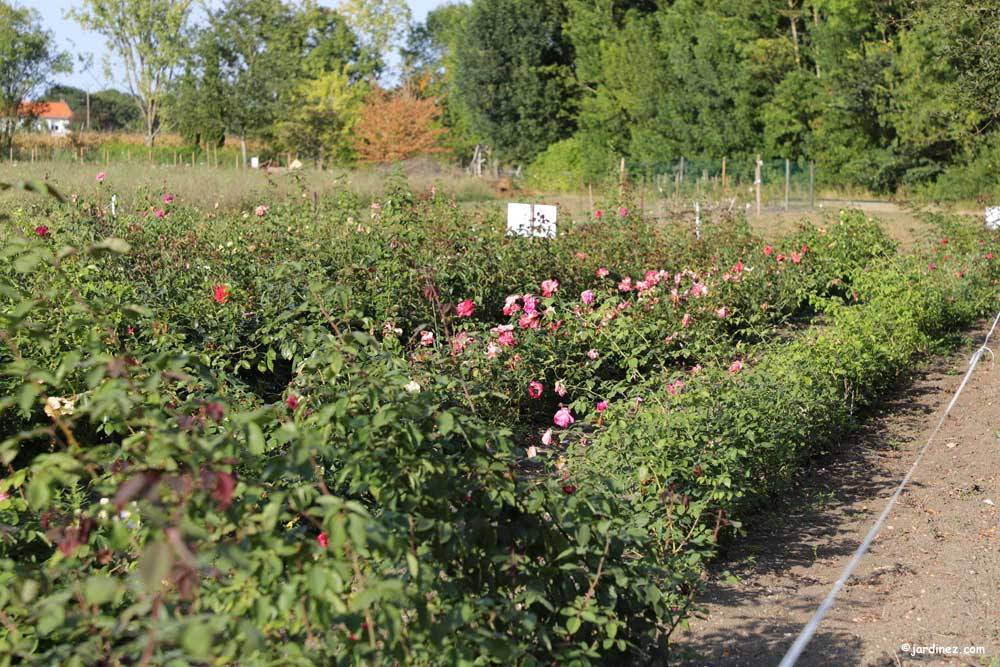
(932, 576)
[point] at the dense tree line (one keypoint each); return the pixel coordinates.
(881, 94)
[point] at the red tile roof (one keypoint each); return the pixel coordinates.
(50, 110)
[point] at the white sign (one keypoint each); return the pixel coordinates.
(993, 218)
(531, 220)
(255, 162)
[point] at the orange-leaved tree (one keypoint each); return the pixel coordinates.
(396, 126)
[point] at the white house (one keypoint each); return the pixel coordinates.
(50, 117)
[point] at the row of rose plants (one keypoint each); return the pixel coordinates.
(391, 435)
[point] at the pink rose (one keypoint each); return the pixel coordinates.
(460, 341)
(735, 367)
(722, 313)
(530, 320)
(563, 418)
(168, 198)
(768, 250)
(560, 388)
(602, 272)
(592, 354)
(698, 290)
(511, 305)
(547, 437)
(625, 285)
(100, 177)
(260, 211)
(505, 334)
(160, 213)
(622, 212)
(426, 338)
(535, 389)
(601, 406)
(587, 297)
(598, 214)
(466, 308)
(686, 320)
(530, 303)
(532, 451)
(549, 287)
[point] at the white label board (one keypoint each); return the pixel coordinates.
(993, 217)
(531, 220)
(255, 162)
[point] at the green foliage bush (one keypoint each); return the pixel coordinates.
(560, 168)
(234, 440)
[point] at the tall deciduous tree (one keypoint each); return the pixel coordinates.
(148, 37)
(381, 25)
(429, 64)
(321, 120)
(28, 59)
(259, 48)
(515, 75)
(396, 126)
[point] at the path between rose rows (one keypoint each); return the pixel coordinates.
(932, 576)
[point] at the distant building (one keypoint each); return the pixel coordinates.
(50, 117)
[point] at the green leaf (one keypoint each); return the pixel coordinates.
(572, 625)
(446, 423)
(154, 564)
(39, 493)
(255, 439)
(110, 246)
(52, 617)
(100, 589)
(413, 564)
(197, 639)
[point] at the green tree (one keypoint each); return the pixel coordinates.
(148, 38)
(320, 124)
(112, 110)
(381, 25)
(195, 105)
(329, 43)
(621, 71)
(514, 74)
(28, 59)
(258, 46)
(429, 63)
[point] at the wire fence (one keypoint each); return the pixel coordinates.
(784, 183)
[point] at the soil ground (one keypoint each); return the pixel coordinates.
(932, 576)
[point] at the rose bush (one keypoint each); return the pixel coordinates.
(360, 434)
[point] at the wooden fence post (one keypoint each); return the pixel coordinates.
(788, 179)
(757, 181)
(812, 181)
(724, 174)
(621, 181)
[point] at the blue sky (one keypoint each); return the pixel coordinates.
(75, 40)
